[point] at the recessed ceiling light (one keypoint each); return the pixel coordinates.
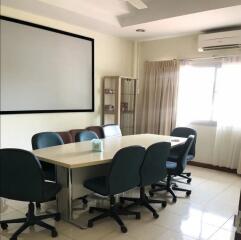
(140, 30)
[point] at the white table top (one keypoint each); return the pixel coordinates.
(76, 155)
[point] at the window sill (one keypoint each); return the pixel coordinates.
(208, 123)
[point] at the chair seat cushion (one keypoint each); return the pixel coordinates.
(98, 185)
(173, 157)
(50, 190)
(171, 165)
(49, 174)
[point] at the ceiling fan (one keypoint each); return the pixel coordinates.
(137, 4)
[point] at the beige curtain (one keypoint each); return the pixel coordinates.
(159, 97)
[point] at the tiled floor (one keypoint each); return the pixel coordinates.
(207, 214)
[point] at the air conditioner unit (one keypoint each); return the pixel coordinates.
(219, 40)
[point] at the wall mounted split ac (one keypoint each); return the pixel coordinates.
(219, 40)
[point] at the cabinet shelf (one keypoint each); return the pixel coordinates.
(128, 94)
(129, 111)
(109, 112)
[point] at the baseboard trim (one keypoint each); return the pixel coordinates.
(210, 166)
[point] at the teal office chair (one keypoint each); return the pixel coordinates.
(22, 179)
(175, 169)
(153, 170)
(123, 176)
(97, 129)
(86, 135)
(44, 140)
(176, 151)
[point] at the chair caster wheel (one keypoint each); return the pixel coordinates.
(90, 224)
(153, 187)
(155, 215)
(57, 217)
(13, 238)
(164, 204)
(188, 193)
(38, 205)
(151, 194)
(175, 185)
(189, 180)
(138, 216)
(4, 226)
(54, 233)
(188, 174)
(122, 201)
(123, 229)
(91, 210)
(85, 201)
(174, 200)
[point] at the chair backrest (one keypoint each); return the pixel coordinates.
(153, 168)
(73, 132)
(112, 130)
(66, 137)
(46, 139)
(124, 173)
(98, 130)
(43, 140)
(21, 177)
(182, 157)
(185, 132)
(85, 136)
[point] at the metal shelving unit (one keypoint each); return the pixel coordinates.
(119, 102)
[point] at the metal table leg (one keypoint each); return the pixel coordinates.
(64, 197)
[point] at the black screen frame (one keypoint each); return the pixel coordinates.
(58, 31)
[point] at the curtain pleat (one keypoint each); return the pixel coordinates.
(157, 105)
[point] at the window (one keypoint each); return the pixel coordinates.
(196, 93)
(226, 107)
(209, 92)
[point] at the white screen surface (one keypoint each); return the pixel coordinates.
(44, 70)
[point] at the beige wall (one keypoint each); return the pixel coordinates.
(182, 48)
(174, 48)
(113, 56)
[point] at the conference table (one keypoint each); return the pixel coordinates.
(76, 162)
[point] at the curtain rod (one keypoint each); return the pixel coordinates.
(206, 58)
(197, 58)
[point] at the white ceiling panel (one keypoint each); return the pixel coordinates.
(161, 18)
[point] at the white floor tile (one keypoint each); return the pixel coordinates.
(207, 214)
(222, 235)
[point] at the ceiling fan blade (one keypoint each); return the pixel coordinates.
(137, 4)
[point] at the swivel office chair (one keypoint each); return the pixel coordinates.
(22, 179)
(123, 176)
(175, 169)
(97, 129)
(86, 135)
(184, 132)
(153, 170)
(44, 140)
(112, 130)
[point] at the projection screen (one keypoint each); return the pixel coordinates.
(45, 69)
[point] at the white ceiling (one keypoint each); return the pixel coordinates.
(162, 18)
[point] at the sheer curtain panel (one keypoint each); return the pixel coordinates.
(227, 148)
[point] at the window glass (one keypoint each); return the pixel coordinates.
(195, 94)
